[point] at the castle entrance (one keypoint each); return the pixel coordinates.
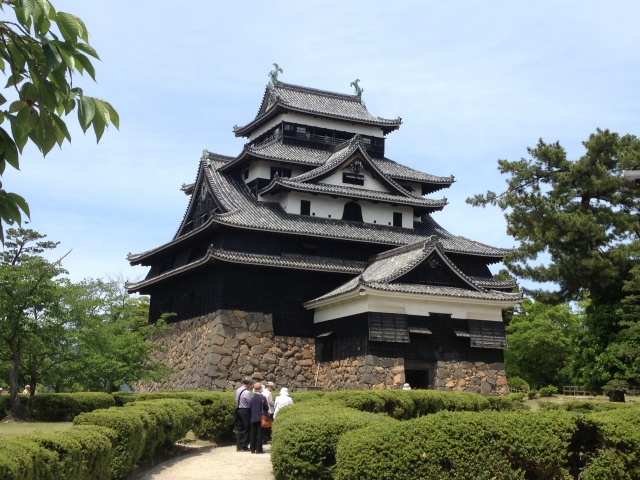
(419, 373)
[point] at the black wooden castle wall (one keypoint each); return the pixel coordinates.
(278, 291)
(350, 338)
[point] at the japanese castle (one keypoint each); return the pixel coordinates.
(314, 226)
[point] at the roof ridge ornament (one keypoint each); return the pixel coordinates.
(359, 91)
(205, 156)
(273, 76)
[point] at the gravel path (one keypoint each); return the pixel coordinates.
(222, 463)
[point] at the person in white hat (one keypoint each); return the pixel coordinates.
(406, 386)
(268, 394)
(282, 400)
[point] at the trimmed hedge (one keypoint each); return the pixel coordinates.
(122, 398)
(58, 407)
(218, 411)
(401, 404)
(306, 434)
(584, 406)
(357, 435)
(305, 438)
(5, 405)
(142, 429)
(480, 445)
(76, 454)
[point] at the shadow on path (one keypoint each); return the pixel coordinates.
(222, 463)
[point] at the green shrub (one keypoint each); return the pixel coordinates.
(460, 445)
(532, 394)
(90, 401)
(170, 420)
(518, 383)
(305, 437)
(129, 425)
(58, 407)
(548, 391)
(508, 402)
(218, 411)
(76, 454)
(82, 453)
(122, 398)
(5, 405)
(616, 432)
(408, 404)
(54, 407)
(583, 406)
(21, 459)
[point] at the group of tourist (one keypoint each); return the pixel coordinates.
(254, 413)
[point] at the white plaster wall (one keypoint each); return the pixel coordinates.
(262, 169)
(327, 207)
(412, 305)
(318, 122)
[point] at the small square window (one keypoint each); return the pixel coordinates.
(353, 178)
(246, 174)
(282, 172)
(301, 130)
(305, 207)
(397, 219)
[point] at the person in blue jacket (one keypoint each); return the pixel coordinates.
(259, 406)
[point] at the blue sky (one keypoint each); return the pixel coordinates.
(473, 82)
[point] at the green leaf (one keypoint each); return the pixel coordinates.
(69, 27)
(14, 79)
(21, 203)
(88, 49)
(52, 57)
(86, 63)
(10, 149)
(86, 112)
(113, 115)
(84, 34)
(28, 7)
(62, 127)
(2, 99)
(17, 106)
(101, 119)
(46, 131)
(67, 57)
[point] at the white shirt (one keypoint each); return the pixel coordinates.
(269, 398)
(281, 401)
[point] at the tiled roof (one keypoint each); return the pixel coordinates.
(400, 172)
(492, 282)
(309, 156)
(244, 211)
(352, 192)
(284, 96)
(304, 262)
(389, 266)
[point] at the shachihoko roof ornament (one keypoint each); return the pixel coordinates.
(273, 75)
(359, 90)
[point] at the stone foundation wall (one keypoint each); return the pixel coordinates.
(476, 377)
(215, 351)
(362, 373)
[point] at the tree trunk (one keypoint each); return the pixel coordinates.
(109, 386)
(33, 378)
(16, 408)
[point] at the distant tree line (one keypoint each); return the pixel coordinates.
(577, 223)
(65, 336)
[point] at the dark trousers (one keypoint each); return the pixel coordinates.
(256, 437)
(243, 425)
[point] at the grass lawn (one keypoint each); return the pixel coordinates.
(22, 428)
